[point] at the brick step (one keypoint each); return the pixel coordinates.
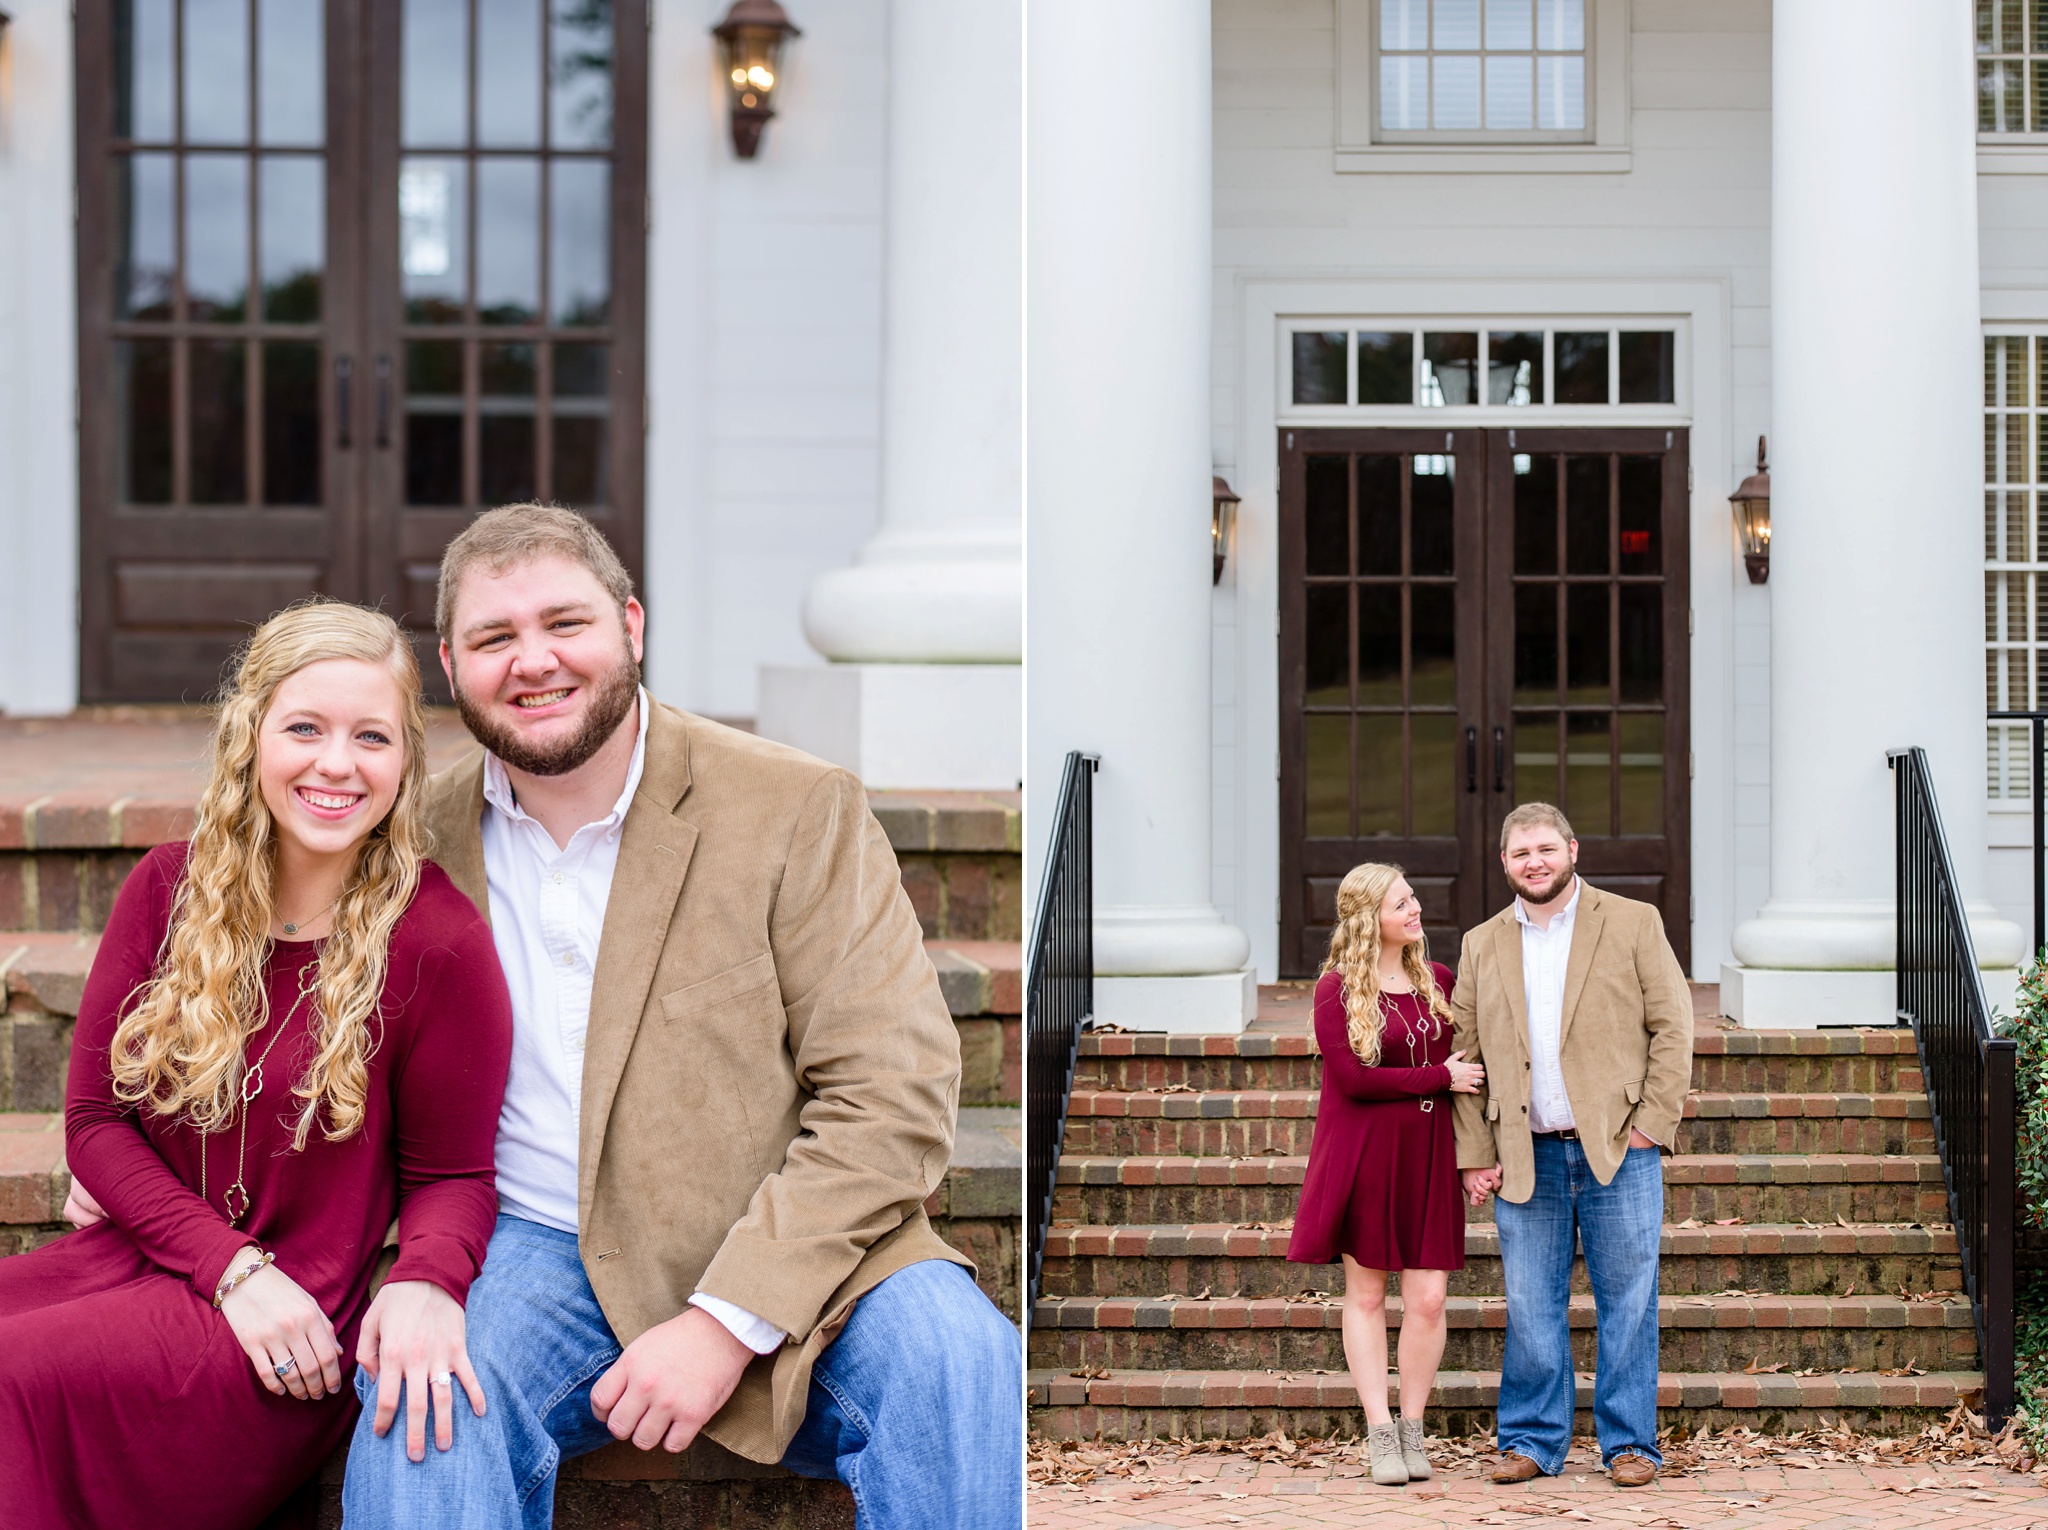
(1788, 1187)
(1245, 1404)
(1695, 1333)
(1227, 1261)
(43, 974)
(1738, 1062)
(1255, 1121)
(977, 1206)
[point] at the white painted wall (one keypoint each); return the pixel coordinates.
(1692, 209)
(38, 376)
(764, 345)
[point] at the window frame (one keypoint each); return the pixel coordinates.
(2008, 785)
(1487, 135)
(1602, 146)
(1463, 416)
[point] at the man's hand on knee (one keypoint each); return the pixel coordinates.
(670, 1380)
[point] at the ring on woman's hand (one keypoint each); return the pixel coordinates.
(286, 1369)
(443, 1378)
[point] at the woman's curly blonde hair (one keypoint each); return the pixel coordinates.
(180, 1047)
(1355, 958)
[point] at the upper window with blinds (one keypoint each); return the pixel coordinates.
(1494, 70)
(2012, 66)
(2015, 548)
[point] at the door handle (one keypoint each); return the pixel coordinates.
(1471, 759)
(383, 401)
(1500, 783)
(344, 401)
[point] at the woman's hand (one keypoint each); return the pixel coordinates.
(1466, 1078)
(413, 1333)
(277, 1322)
(80, 1209)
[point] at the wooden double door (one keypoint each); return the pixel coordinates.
(350, 271)
(1471, 619)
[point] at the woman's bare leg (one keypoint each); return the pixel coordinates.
(1422, 1335)
(1365, 1336)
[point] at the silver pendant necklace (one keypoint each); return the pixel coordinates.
(293, 929)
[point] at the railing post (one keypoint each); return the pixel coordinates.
(2040, 817)
(2001, 1192)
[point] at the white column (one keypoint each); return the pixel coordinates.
(926, 629)
(1876, 542)
(1119, 301)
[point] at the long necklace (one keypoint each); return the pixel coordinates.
(1426, 1103)
(236, 1199)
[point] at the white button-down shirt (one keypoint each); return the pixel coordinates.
(1545, 955)
(547, 917)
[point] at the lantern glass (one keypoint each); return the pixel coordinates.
(1222, 523)
(753, 63)
(1753, 519)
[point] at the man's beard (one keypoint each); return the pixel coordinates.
(1559, 886)
(611, 697)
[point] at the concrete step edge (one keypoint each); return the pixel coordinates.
(1299, 1104)
(1758, 1043)
(1674, 1312)
(1675, 1389)
(1679, 1169)
(1225, 1240)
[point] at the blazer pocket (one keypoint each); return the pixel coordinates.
(1493, 1110)
(1634, 1090)
(707, 994)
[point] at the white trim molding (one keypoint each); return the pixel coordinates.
(1358, 150)
(1263, 304)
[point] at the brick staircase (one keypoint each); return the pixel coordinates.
(82, 799)
(1806, 1252)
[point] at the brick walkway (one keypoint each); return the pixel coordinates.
(1221, 1491)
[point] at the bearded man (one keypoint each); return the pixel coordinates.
(733, 1085)
(1575, 1003)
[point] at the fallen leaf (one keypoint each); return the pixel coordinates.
(1091, 1372)
(1691, 1222)
(1727, 1221)
(1754, 1369)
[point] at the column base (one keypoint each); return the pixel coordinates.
(1209, 1004)
(902, 727)
(1779, 998)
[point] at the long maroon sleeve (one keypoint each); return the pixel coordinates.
(447, 1096)
(104, 1143)
(1352, 1078)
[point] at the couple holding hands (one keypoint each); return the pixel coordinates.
(1549, 1074)
(625, 1019)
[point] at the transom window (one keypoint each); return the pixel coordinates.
(1515, 366)
(2015, 548)
(1514, 67)
(2012, 66)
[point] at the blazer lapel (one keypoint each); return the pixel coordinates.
(1507, 948)
(455, 818)
(654, 856)
(1585, 936)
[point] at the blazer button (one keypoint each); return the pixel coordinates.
(1525, 1110)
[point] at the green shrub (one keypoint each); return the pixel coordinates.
(2028, 1025)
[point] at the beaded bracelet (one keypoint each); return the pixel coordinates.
(228, 1283)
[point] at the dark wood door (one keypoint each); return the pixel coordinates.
(273, 288)
(1469, 619)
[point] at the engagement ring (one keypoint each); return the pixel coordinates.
(443, 1379)
(286, 1369)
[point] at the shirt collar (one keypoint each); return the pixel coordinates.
(498, 784)
(1562, 916)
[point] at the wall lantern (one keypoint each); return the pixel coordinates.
(750, 38)
(1222, 521)
(1752, 504)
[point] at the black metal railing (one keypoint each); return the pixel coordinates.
(1968, 1069)
(2036, 788)
(1059, 997)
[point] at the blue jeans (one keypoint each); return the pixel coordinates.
(1619, 1224)
(917, 1406)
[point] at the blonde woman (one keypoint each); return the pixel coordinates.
(1382, 1185)
(295, 1028)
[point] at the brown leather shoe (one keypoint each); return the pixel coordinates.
(1633, 1471)
(1513, 1466)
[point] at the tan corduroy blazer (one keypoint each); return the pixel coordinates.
(1625, 1039)
(770, 1075)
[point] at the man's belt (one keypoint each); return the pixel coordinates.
(1562, 1134)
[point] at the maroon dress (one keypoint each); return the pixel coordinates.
(1382, 1182)
(125, 1398)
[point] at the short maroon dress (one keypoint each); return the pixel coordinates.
(1382, 1182)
